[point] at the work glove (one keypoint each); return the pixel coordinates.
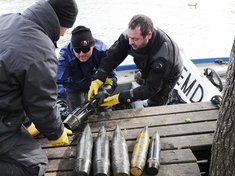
(108, 81)
(111, 101)
(95, 85)
(33, 130)
(63, 139)
(100, 97)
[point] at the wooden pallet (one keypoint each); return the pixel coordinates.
(182, 128)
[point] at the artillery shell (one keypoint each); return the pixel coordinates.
(140, 153)
(153, 163)
(101, 163)
(120, 157)
(84, 153)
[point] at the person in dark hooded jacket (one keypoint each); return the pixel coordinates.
(28, 67)
(156, 56)
(78, 61)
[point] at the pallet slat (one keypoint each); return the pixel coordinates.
(188, 169)
(153, 111)
(164, 131)
(162, 120)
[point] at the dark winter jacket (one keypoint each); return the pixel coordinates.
(28, 68)
(159, 62)
(74, 75)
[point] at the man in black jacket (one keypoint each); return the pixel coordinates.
(156, 56)
(28, 67)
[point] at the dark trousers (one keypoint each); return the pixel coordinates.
(163, 96)
(25, 158)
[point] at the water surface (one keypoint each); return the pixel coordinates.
(202, 28)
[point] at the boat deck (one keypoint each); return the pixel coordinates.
(186, 134)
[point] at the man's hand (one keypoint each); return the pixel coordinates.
(108, 81)
(33, 130)
(111, 101)
(63, 139)
(95, 85)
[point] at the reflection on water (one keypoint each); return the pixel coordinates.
(202, 28)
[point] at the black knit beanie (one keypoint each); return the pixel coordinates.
(66, 11)
(82, 38)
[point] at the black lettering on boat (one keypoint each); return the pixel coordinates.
(199, 88)
(184, 87)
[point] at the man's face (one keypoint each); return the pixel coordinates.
(83, 55)
(136, 40)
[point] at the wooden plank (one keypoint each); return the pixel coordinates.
(156, 121)
(194, 142)
(150, 111)
(132, 134)
(164, 131)
(60, 165)
(173, 130)
(184, 169)
(68, 173)
(167, 157)
(161, 120)
(61, 152)
(189, 169)
(177, 156)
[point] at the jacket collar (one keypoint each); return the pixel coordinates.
(44, 15)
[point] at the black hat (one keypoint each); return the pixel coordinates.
(82, 38)
(66, 11)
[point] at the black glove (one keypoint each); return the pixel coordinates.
(138, 78)
(102, 94)
(63, 108)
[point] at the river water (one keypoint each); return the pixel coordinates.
(202, 28)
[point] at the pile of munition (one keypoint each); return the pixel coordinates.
(84, 166)
(141, 149)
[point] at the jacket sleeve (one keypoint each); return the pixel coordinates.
(115, 55)
(153, 83)
(39, 98)
(61, 92)
(155, 80)
(152, 86)
(101, 54)
(64, 73)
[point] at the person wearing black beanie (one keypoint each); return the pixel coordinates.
(82, 38)
(78, 61)
(66, 11)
